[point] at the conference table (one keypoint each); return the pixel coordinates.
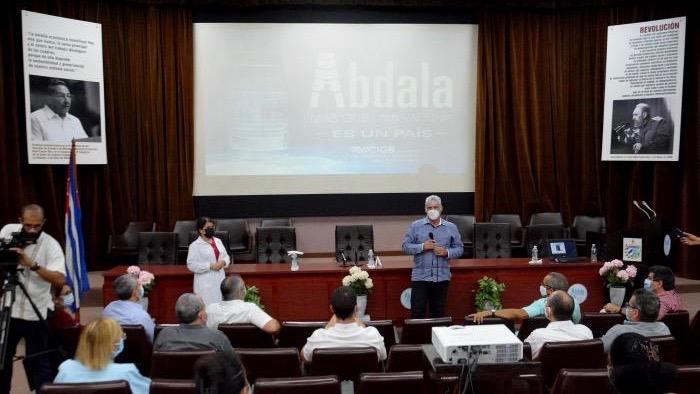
(305, 294)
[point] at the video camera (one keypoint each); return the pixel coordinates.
(8, 258)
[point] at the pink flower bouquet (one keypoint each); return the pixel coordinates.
(145, 278)
(614, 273)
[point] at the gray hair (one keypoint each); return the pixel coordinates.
(644, 107)
(188, 307)
(647, 304)
(558, 281)
(562, 305)
(433, 197)
(232, 288)
(124, 286)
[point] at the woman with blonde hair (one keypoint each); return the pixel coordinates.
(100, 342)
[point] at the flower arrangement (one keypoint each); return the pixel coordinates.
(359, 280)
(252, 294)
(489, 295)
(145, 278)
(615, 275)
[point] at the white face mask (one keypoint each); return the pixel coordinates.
(543, 291)
(68, 300)
(433, 214)
(647, 284)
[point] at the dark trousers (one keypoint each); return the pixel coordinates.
(430, 294)
(36, 339)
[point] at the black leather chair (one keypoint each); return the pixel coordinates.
(600, 323)
(157, 248)
(538, 234)
(583, 225)
(354, 241)
(346, 363)
(570, 354)
(410, 382)
(419, 331)
(172, 386)
(582, 381)
(278, 222)
(273, 243)
(239, 240)
(183, 228)
(678, 323)
(123, 248)
(465, 225)
(137, 348)
(531, 324)
(176, 364)
(491, 320)
(691, 352)
(109, 387)
(246, 335)
(295, 333)
(517, 232)
(386, 330)
(270, 363)
(492, 240)
(403, 358)
(546, 218)
(523, 377)
(687, 379)
(308, 385)
(668, 350)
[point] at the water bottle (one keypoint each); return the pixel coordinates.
(371, 261)
(534, 254)
(594, 254)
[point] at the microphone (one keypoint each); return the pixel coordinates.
(620, 127)
(636, 204)
(431, 236)
(342, 255)
(648, 207)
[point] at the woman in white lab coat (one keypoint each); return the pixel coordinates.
(207, 258)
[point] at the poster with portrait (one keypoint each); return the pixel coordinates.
(64, 89)
(644, 91)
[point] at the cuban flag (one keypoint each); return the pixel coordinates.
(76, 271)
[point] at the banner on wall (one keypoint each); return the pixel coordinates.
(643, 91)
(64, 89)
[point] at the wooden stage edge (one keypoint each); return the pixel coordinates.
(305, 294)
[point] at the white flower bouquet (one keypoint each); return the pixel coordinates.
(359, 280)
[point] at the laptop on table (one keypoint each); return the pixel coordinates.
(563, 251)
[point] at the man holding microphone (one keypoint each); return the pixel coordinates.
(432, 241)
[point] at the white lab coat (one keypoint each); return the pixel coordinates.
(200, 257)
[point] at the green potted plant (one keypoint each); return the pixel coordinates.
(488, 296)
(252, 294)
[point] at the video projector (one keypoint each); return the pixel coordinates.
(493, 343)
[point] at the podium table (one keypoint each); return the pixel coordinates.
(305, 294)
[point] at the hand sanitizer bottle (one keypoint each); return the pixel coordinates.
(594, 254)
(371, 261)
(534, 254)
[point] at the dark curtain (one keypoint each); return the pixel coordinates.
(147, 54)
(540, 115)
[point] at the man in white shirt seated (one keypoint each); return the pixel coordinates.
(126, 310)
(559, 310)
(344, 329)
(52, 122)
(234, 310)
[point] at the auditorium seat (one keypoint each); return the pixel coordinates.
(183, 228)
(157, 248)
(239, 239)
(517, 233)
(354, 241)
(137, 348)
(176, 364)
(570, 354)
(294, 333)
(692, 343)
(492, 240)
(527, 326)
(410, 382)
(278, 222)
(687, 379)
(246, 335)
(403, 358)
(527, 351)
(538, 234)
(582, 381)
(308, 385)
(679, 324)
(583, 224)
(465, 225)
(419, 331)
(160, 327)
(546, 218)
(270, 363)
(468, 321)
(523, 377)
(386, 330)
(123, 248)
(109, 387)
(172, 386)
(69, 337)
(668, 351)
(344, 362)
(273, 243)
(600, 323)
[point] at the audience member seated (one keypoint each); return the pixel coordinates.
(552, 282)
(61, 317)
(661, 282)
(192, 333)
(234, 310)
(344, 329)
(221, 372)
(640, 317)
(558, 310)
(634, 366)
(126, 310)
(100, 342)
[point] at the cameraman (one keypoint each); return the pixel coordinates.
(42, 264)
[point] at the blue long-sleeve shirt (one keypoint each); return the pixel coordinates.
(428, 266)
